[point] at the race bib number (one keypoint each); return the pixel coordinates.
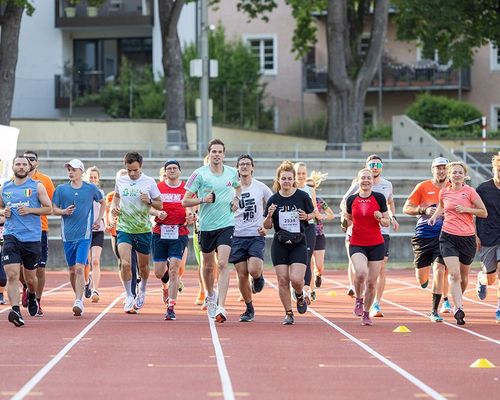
(169, 232)
(289, 221)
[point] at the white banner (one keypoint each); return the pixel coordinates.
(8, 148)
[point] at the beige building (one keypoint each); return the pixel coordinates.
(297, 88)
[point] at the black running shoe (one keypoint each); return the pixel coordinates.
(318, 281)
(16, 318)
(32, 306)
(88, 288)
(258, 284)
(247, 316)
(289, 320)
(459, 316)
(301, 304)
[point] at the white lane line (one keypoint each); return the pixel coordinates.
(227, 386)
(49, 292)
(405, 374)
(487, 338)
(26, 389)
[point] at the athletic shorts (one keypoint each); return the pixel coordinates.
(44, 241)
(163, 249)
(97, 239)
(140, 242)
(320, 242)
(490, 257)
(287, 254)
(372, 253)
(210, 240)
(16, 252)
(245, 247)
(463, 247)
(426, 251)
(387, 242)
(77, 252)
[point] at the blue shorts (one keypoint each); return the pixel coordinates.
(140, 242)
(245, 247)
(163, 249)
(77, 252)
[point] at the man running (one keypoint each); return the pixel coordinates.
(135, 193)
(23, 201)
(247, 251)
(218, 191)
(422, 203)
(74, 202)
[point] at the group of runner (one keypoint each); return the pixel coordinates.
(232, 212)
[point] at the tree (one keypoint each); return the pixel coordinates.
(11, 12)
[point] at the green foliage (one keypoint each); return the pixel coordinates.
(378, 132)
(26, 4)
(314, 127)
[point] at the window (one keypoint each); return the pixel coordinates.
(495, 117)
(265, 49)
(369, 117)
(363, 45)
(494, 58)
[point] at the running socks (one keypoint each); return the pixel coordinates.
(249, 306)
(142, 285)
(436, 299)
(128, 287)
(299, 295)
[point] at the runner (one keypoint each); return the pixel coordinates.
(488, 234)
(3, 277)
(422, 202)
(368, 211)
(324, 214)
(249, 242)
(218, 191)
(170, 233)
(74, 201)
(288, 211)
(135, 193)
(23, 200)
(457, 241)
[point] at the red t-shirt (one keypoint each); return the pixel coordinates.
(365, 228)
(455, 223)
(172, 205)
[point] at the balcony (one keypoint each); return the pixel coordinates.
(400, 77)
(111, 13)
(68, 90)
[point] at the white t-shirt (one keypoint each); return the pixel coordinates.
(250, 214)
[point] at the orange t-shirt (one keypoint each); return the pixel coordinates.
(49, 187)
(107, 215)
(425, 194)
(455, 223)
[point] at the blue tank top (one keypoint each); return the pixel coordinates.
(25, 228)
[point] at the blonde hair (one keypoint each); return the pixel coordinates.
(121, 172)
(450, 166)
(495, 161)
(285, 166)
(361, 171)
(299, 164)
(162, 171)
(92, 169)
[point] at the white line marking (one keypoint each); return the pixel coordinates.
(26, 389)
(49, 292)
(227, 386)
(405, 374)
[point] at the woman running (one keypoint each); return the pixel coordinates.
(325, 214)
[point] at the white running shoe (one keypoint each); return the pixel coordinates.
(221, 315)
(129, 305)
(78, 308)
(139, 300)
(212, 305)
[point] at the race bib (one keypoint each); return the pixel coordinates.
(169, 231)
(289, 221)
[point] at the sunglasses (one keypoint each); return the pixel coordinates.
(30, 158)
(375, 165)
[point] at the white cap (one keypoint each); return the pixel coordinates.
(76, 164)
(440, 161)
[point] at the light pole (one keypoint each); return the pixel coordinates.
(204, 94)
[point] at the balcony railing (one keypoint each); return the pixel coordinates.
(400, 77)
(110, 13)
(68, 89)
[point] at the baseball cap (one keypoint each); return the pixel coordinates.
(440, 161)
(76, 164)
(169, 162)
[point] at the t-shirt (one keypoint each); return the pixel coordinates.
(249, 215)
(384, 187)
(49, 187)
(365, 228)
(321, 205)
(107, 215)
(171, 198)
(286, 216)
(426, 194)
(78, 225)
(97, 207)
(134, 213)
(488, 229)
(203, 181)
(455, 223)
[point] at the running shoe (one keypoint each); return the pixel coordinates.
(313, 295)
(129, 305)
(288, 320)
(318, 281)
(40, 311)
(498, 316)
(247, 316)
(307, 296)
(170, 314)
(212, 305)
(88, 288)
(351, 292)
(200, 299)
(358, 308)
(481, 290)
(365, 320)
(258, 284)
(435, 317)
(24, 298)
(445, 308)
(221, 315)
(204, 306)
(139, 300)
(375, 310)
(302, 303)
(164, 295)
(459, 316)
(78, 308)
(32, 306)
(16, 318)
(181, 286)
(95, 296)
(2, 300)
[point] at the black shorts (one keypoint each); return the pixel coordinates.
(463, 247)
(17, 252)
(97, 239)
(44, 242)
(426, 251)
(320, 242)
(210, 240)
(287, 254)
(372, 253)
(245, 247)
(387, 242)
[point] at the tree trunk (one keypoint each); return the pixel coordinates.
(9, 41)
(175, 113)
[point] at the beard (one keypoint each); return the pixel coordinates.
(21, 174)
(442, 180)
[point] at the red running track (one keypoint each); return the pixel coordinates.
(327, 354)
